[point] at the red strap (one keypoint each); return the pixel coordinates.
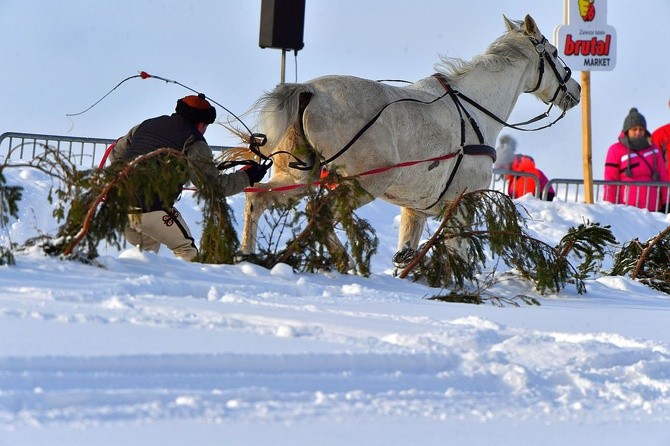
(369, 172)
(106, 154)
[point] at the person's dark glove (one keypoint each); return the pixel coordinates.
(256, 172)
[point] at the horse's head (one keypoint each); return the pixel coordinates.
(552, 82)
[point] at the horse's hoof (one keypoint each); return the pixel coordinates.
(403, 257)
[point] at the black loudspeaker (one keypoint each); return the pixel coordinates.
(282, 24)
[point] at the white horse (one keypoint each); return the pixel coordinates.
(359, 125)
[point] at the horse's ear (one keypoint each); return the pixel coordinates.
(511, 26)
(530, 27)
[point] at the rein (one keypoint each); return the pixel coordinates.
(301, 165)
(513, 126)
(473, 149)
(362, 174)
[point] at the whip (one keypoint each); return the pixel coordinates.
(145, 75)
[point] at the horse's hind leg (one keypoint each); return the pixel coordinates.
(258, 202)
(253, 210)
(412, 224)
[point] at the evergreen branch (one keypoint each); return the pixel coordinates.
(314, 244)
(646, 251)
(451, 210)
(123, 175)
(85, 227)
(295, 243)
(548, 267)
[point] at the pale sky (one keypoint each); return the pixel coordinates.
(60, 57)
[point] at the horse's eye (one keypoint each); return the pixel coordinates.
(554, 53)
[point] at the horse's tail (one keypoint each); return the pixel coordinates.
(233, 154)
(281, 110)
(237, 154)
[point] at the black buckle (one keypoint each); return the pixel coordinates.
(258, 140)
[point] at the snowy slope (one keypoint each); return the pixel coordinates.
(153, 350)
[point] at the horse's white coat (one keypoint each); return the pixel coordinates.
(340, 106)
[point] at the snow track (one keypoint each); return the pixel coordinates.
(154, 349)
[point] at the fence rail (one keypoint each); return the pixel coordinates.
(572, 190)
(88, 152)
(82, 151)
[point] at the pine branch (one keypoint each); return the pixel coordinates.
(547, 267)
(645, 252)
(450, 211)
(123, 175)
(85, 228)
(314, 245)
(295, 243)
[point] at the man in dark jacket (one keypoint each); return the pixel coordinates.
(155, 223)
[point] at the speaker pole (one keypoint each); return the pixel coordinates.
(282, 27)
(283, 65)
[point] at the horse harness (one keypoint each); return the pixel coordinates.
(543, 55)
(466, 149)
(456, 96)
(481, 148)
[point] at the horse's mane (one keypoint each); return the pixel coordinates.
(503, 52)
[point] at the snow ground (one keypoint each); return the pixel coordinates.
(153, 350)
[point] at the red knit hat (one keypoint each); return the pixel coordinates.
(196, 109)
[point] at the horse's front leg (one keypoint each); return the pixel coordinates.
(412, 224)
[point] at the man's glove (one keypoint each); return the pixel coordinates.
(256, 172)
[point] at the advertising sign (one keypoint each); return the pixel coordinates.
(587, 43)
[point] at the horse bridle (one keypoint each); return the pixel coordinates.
(562, 81)
(544, 55)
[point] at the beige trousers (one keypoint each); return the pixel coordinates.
(151, 229)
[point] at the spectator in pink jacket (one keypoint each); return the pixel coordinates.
(635, 159)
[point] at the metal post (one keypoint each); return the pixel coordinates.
(586, 137)
(283, 65)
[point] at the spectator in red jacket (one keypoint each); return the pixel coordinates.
(634, 158)
(661, 139)
(520, 185)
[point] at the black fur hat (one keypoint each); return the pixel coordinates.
(196, 109)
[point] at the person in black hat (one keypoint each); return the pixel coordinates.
(635, 159)
(155, 222)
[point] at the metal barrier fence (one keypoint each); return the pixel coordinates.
(572, 190)
(88, 152)
(82, 151)
(26, 146)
